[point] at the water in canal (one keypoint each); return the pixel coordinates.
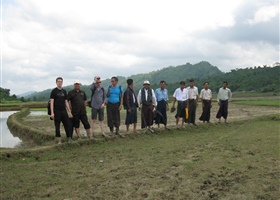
(7, 139)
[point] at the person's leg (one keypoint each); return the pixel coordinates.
(66, 124)
(93, 118)
(84, 120)
(225, 111)
(116, 117)
(128, 119)
(76, 124)
(110, 117)
(101, 121)
(57, 121)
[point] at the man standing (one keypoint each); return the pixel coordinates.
(192, 101)
(147, 101)
(162, 103)
(115, 102)
(130, 104)
(78, 99)
(98, 101)
(180, 95)
(206, 98)
(59, 104)
(223, 97)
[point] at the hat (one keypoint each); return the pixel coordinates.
(77, 82)
(146, 83)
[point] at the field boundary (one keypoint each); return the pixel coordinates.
(16, 125)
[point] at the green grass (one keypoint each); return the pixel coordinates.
(260, 102)
(239, 160)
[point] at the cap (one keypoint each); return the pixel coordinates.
(146, 83)
(77, 82)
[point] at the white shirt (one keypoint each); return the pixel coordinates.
(224, 94)
(192, 92)
(181, 95)
(139, 98)
(206, 94)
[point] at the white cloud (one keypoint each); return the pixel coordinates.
(80, 39)
(265, 14)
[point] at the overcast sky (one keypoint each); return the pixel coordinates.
(43, 39)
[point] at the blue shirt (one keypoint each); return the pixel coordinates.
(115, 93)
(161, 95)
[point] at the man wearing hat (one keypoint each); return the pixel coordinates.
(147, 100)
(78, 100)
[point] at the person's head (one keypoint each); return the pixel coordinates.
(225, 84)
(162, 84)
(59, 82)
(114, 81)
(182, 84)
(97, 81)
(191, 83)
(77, 85)
(129, 82)
(206, 85)
(146, 84)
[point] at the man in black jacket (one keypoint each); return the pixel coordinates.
(130, 104)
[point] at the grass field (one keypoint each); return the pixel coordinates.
(239, 160)
(260, 102)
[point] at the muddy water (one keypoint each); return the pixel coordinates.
(7, 138)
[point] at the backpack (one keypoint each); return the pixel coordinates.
(49, 107)
(92, 93)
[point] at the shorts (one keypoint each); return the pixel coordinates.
(100, 113)
(80, 117)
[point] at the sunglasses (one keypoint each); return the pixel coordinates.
(98, 78)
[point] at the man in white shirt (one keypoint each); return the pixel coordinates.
(192, 101)
(147, 101)
(223, 97)
(206, 98)
(180, 95)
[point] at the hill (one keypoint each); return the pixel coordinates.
(171, 74)
(258, 79)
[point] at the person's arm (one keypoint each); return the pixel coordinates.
(154, 98)
(197, 96)
(85, 100)
(229, 95)
(127, 96)
(121, 98)
(68, 109)
(139, 99)
(210, 98)
(167, 99)
(201, 97)
(104, 98)
(218, 96)
(174, 99)
(52, 108)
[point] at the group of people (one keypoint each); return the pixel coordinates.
(153, 106)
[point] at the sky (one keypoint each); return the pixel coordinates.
(77, 40)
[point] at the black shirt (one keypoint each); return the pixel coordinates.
(59, 97)
(77, 99)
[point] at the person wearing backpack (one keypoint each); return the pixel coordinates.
(60, 110)
(130, 104)
(98, 101)
(115, 103)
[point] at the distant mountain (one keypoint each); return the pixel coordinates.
(25, 94)
(170, 74)
(261, 79)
